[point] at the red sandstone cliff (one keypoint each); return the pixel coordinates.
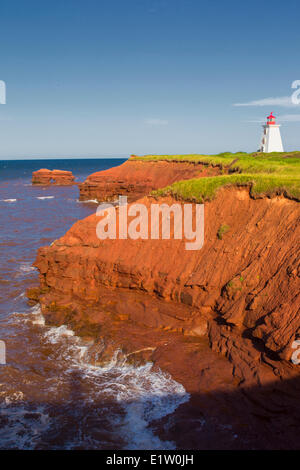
(47, 177)
(249, 279)
(221, 320)
(136, 178)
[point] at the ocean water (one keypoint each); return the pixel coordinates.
(51, 394)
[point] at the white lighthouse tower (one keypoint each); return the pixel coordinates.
(271, 140)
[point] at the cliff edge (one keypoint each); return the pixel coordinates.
(136, 178)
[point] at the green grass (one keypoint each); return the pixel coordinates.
(224, 228)
(205, 189)
(266, 174)
(275, 162)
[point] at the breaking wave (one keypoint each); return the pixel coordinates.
(82, 405)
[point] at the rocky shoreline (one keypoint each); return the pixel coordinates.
(220, 320)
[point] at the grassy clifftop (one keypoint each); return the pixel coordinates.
(266, 174)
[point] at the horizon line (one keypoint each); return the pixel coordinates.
(66, 158)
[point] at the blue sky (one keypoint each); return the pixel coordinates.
(114, 77)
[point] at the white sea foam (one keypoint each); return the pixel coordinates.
(39, 321)
(26, 268)
(89, 200)
(8, 200)
(55, 334)
(144, 394)
(36, 310)
(38, 318)
(35, 317)
(23, 317)
(20, 296)
(45, 197)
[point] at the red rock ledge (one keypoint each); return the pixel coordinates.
(48, 177)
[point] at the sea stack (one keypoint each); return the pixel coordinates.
(48, 177)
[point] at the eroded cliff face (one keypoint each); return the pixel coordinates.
(221, 320)
(135, 178)
(48, 177)
(248, 280)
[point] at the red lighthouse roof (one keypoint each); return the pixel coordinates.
(271, 119)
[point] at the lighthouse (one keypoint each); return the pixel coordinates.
(271, 140)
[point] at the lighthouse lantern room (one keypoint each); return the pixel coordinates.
(271, 140)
